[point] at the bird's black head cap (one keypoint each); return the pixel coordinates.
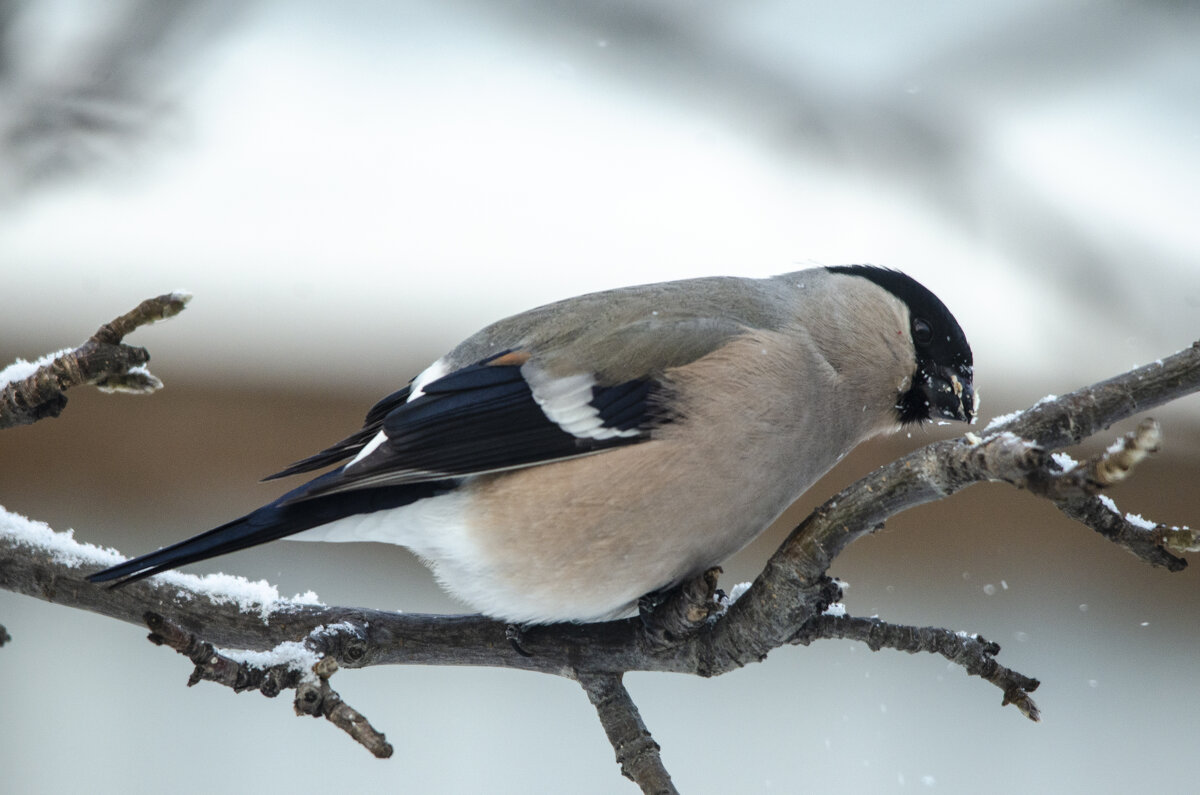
(942, 384)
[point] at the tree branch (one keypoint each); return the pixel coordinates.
(787, 593)
(34, 391)
(785, 605)
(974, 654)
(292, 667)
(637, 753)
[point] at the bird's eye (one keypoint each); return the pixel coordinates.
(922, 332)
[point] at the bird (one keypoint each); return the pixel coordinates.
(564, 463)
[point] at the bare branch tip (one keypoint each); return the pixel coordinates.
(175, 302)
(162, 306)
(1118, 461)
(1178, 540)
(318, 699)
(325, 667)
(137, 381)
(149, 311)
(1022, 701)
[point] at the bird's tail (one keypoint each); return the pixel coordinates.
(250, 530)
(288, 515)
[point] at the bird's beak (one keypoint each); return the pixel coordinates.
(950, 395)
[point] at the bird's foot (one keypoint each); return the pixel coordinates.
(671, 615)
(514, 634)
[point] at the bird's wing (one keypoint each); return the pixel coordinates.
(489, 417)
(512, 410)
(605, 350)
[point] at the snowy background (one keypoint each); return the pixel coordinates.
(349, 189)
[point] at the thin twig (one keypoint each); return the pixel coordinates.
(1073, 488)
(1062, 477)
(103, 361)
(320, 700)
(974, 654)
(314, 696)
(637, 753)
(1149, 544)
(149, 311)
(213, 666)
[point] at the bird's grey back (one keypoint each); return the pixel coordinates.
(621, 331)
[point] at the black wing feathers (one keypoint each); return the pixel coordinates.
(499, 426)
(484, 418)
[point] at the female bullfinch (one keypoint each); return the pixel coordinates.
(562, 463)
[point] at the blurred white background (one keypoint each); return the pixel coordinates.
(349, 189)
